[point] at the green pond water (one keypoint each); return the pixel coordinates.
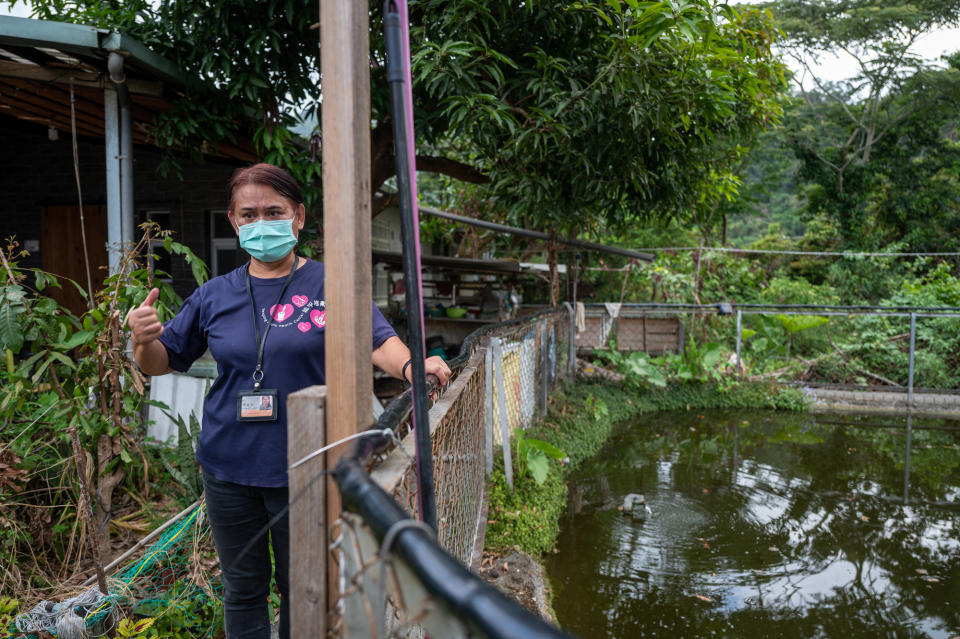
(765, 524)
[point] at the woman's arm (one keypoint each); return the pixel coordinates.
(393, 354)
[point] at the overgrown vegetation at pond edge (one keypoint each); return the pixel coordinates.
(578, 422)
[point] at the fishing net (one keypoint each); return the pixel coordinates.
(169, 587)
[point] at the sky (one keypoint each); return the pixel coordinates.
(931, 46)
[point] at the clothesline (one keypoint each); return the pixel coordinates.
(846, 254)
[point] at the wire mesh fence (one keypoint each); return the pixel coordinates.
(870, 349)
(506, 382)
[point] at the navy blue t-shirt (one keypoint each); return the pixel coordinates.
(218, 316)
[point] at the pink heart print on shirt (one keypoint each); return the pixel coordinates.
(304, 326)
(299, 300)
(281, 313)
(318, 317)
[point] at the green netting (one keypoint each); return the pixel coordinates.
(169, 584)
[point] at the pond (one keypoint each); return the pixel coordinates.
(764, 524)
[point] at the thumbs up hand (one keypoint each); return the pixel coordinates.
(144, 321)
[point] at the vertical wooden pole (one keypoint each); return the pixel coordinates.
(502, 405)
(308, 516)
(345, 81)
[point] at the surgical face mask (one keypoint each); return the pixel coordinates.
(268, 240)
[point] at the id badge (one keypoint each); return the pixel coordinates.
(257, 406)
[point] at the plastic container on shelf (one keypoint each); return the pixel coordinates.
(456, 312)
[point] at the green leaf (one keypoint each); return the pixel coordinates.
(796, 323)
(76, 339)
(63, 359)
(537, 464)
(11, 332)
(546, 448)
(43, 279)
(712, 354)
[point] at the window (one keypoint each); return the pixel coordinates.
(225, 252)
(159, 259)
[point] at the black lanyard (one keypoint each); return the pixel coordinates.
(258, 373)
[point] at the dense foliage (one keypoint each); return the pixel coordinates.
(877, 151)
(778, 345)
(65, 373)
(619, 111)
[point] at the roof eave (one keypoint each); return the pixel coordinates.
(86, 40)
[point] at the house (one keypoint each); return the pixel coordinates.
(116, 87)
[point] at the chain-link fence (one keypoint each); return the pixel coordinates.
(857, 354)
(509, 370)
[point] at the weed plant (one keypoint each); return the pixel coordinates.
(63, 372)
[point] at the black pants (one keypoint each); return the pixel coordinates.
(237, 513)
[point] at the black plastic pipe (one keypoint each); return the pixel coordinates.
(469, 598)
(396, 76)
(512, 230)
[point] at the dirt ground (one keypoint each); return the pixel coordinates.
(520, 577)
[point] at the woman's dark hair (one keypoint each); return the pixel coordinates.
(269, 175)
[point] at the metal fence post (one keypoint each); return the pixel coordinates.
(646, 349)
(502, 401)
(906, 462)
(544, 365)
(552, 355)
(488, 408)
(739, 339)
(913, 348)
(572, 354)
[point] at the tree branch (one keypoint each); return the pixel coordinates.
(453, 168)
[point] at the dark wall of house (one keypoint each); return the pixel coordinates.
(36, 172)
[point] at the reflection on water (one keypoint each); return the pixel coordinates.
(765, 525)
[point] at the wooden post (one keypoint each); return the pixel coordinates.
(308, 516)
(345, 78)
(502, 405)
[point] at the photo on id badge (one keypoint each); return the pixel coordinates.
(260, 406)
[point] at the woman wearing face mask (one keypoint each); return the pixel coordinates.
(264, 325)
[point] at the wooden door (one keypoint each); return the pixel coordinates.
(61, 249)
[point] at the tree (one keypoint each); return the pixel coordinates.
(622, 112)
(572, 113)
(837, 129)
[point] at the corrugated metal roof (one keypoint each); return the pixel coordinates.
(41, 59)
